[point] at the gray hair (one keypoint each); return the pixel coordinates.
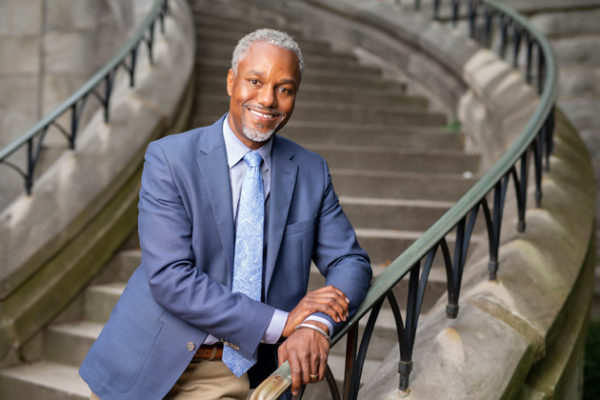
(277, 38)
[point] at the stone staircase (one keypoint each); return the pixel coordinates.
(394, 166)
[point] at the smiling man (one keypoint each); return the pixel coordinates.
(230, 218)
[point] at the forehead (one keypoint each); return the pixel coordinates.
(265, 57)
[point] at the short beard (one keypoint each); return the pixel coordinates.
(256, 136)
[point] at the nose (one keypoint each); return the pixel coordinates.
(266, 96)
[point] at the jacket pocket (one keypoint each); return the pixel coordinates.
(300, 226)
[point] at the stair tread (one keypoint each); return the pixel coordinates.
(395, 202)
(82, 328)
(51, 375)
(109, 288)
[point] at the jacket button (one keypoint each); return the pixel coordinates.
(191, 346)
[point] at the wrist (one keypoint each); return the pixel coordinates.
(314, 327)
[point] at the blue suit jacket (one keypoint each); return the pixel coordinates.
(181, 291)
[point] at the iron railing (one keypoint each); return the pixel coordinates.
(534, 143)
(99, 86)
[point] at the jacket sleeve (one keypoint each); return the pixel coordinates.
(336, 252)
(176, 282)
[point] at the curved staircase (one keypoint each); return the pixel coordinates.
(394, 166)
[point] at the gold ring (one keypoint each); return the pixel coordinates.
(314, 376)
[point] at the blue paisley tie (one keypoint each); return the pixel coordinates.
(248, 258)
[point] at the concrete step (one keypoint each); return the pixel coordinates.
(568, 23)
(321, 93)
(400, 185)
(332, 71)
(68, 343)
(343, 113)
(380, 158)
(42, 381)
(218, 52)
(436, 287)
(363, 82)
(395, 214)
(580, 51)
(384, 246)
(309, 65)
(216, 87)
(208, 49)
(120, 267)
(228, 38)
(315, 133)
(100, 300)
(405, 136)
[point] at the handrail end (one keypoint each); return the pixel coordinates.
(274, 386)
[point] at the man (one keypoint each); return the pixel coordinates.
(230, 217)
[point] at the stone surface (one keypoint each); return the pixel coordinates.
(69, 52)
(567, 23)
(20, 17)
(19, 55)
(583, 51)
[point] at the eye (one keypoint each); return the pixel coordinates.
(286, 91)
(253, 81)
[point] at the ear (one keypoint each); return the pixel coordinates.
(230, 79)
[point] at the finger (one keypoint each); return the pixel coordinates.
(305, 367)
(337, 302)
(333, 310)
(295, 371)
(322, 365)
(315, 365)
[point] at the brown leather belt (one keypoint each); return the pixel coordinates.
(213, 352)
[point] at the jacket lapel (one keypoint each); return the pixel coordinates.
(283, 181)
(212, 162)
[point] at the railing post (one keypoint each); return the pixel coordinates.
(351, 344)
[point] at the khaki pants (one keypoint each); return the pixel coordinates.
(207, 380)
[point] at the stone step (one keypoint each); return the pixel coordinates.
(436, 287)
(376, 158)
(208, 49)
(120, 267)
(100, 300)
(230, 39)
(343, 113)
(405, 137)
(216, 87)
(580, 51)
(333, 72)
(321, 93)
(42, 381)
(568, 23)
(385, 245)
(218, 51)
(400, 185)
(355, 81)
(396, 214)
(68, 343)
(320, 132)
(309, 65)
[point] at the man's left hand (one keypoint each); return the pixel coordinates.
(306, 351)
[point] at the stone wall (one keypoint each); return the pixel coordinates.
(48, 49)
(55, 241)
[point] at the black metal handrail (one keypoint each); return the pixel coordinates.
(534, 143)
(100, 86)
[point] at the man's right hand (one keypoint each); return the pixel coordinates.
(328, 300)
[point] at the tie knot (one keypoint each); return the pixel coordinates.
(253, 159)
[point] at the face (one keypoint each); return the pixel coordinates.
(262, 93)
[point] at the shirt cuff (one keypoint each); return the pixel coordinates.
(321, 320)
(275, 328)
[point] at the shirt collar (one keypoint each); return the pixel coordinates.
(236, 150)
